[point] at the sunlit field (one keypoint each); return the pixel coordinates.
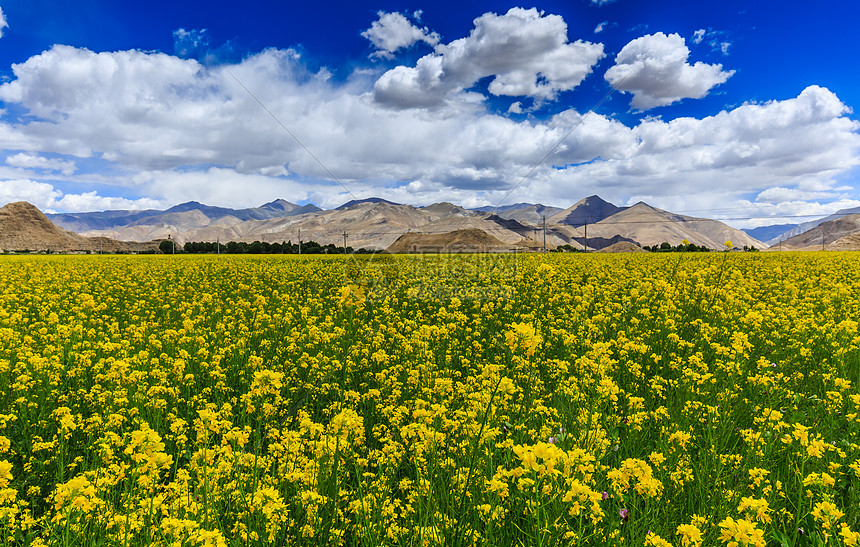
(449, 400)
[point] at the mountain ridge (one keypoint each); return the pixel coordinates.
(377, 223)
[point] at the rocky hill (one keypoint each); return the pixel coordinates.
(842, 233)
(471, 240)
(805, 227)
(23, 227)
(585, 211)
(648, 225)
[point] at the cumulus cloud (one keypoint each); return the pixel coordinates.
(92, 201)
(698, 36)
(526, 54)
(40, 194)
(174, 130)
(3, 23)
(654, 69)
(779, 194)
(222, 186)
(49, 199)
(393, 31)
(30, 161)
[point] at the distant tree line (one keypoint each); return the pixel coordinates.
(263, 247)
(686, 248)
(567, 249)
(665, 247)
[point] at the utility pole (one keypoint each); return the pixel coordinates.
(218, 246)
(585, 246)
(344, 242)
(300, 241)
(544, 233)
(101, 246)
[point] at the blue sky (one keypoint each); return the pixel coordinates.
(736, 110)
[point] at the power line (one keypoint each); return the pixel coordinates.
(291, 134)
(564, 138)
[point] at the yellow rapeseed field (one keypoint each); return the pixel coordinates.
(686, 400)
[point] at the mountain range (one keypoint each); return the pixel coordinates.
(591, 223)
(839, 233)
(377, 223)
(105, 220)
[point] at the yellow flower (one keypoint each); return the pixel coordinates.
(850, 538)
(5, 473)
(740, 533)
(691, 536)
(522, 335)
(757, 475)
(267, 382)
(351, 295)
(654, 540)
(757, 507)
(826, 513)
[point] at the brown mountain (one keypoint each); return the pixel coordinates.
(585, 211)
(525, 213)
(471, 240)
(371, 224)
(106, 220)
(651, 226)
(377, 223)
(23, 227)
(842, 233)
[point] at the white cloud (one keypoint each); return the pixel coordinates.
(789, 212)
(654, 68)
(600, 26)
(49, 199)
(91, 201)
(174, 130)
(393, 31)
(601, 2)
(3, 23)
(779, 194)
(526, 53)
(40, 194)
(29, 161)
(698, 36)
(222, 186)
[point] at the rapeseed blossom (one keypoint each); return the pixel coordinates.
(596, 400)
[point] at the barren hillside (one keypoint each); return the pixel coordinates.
(460, 241)
(23, 227)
